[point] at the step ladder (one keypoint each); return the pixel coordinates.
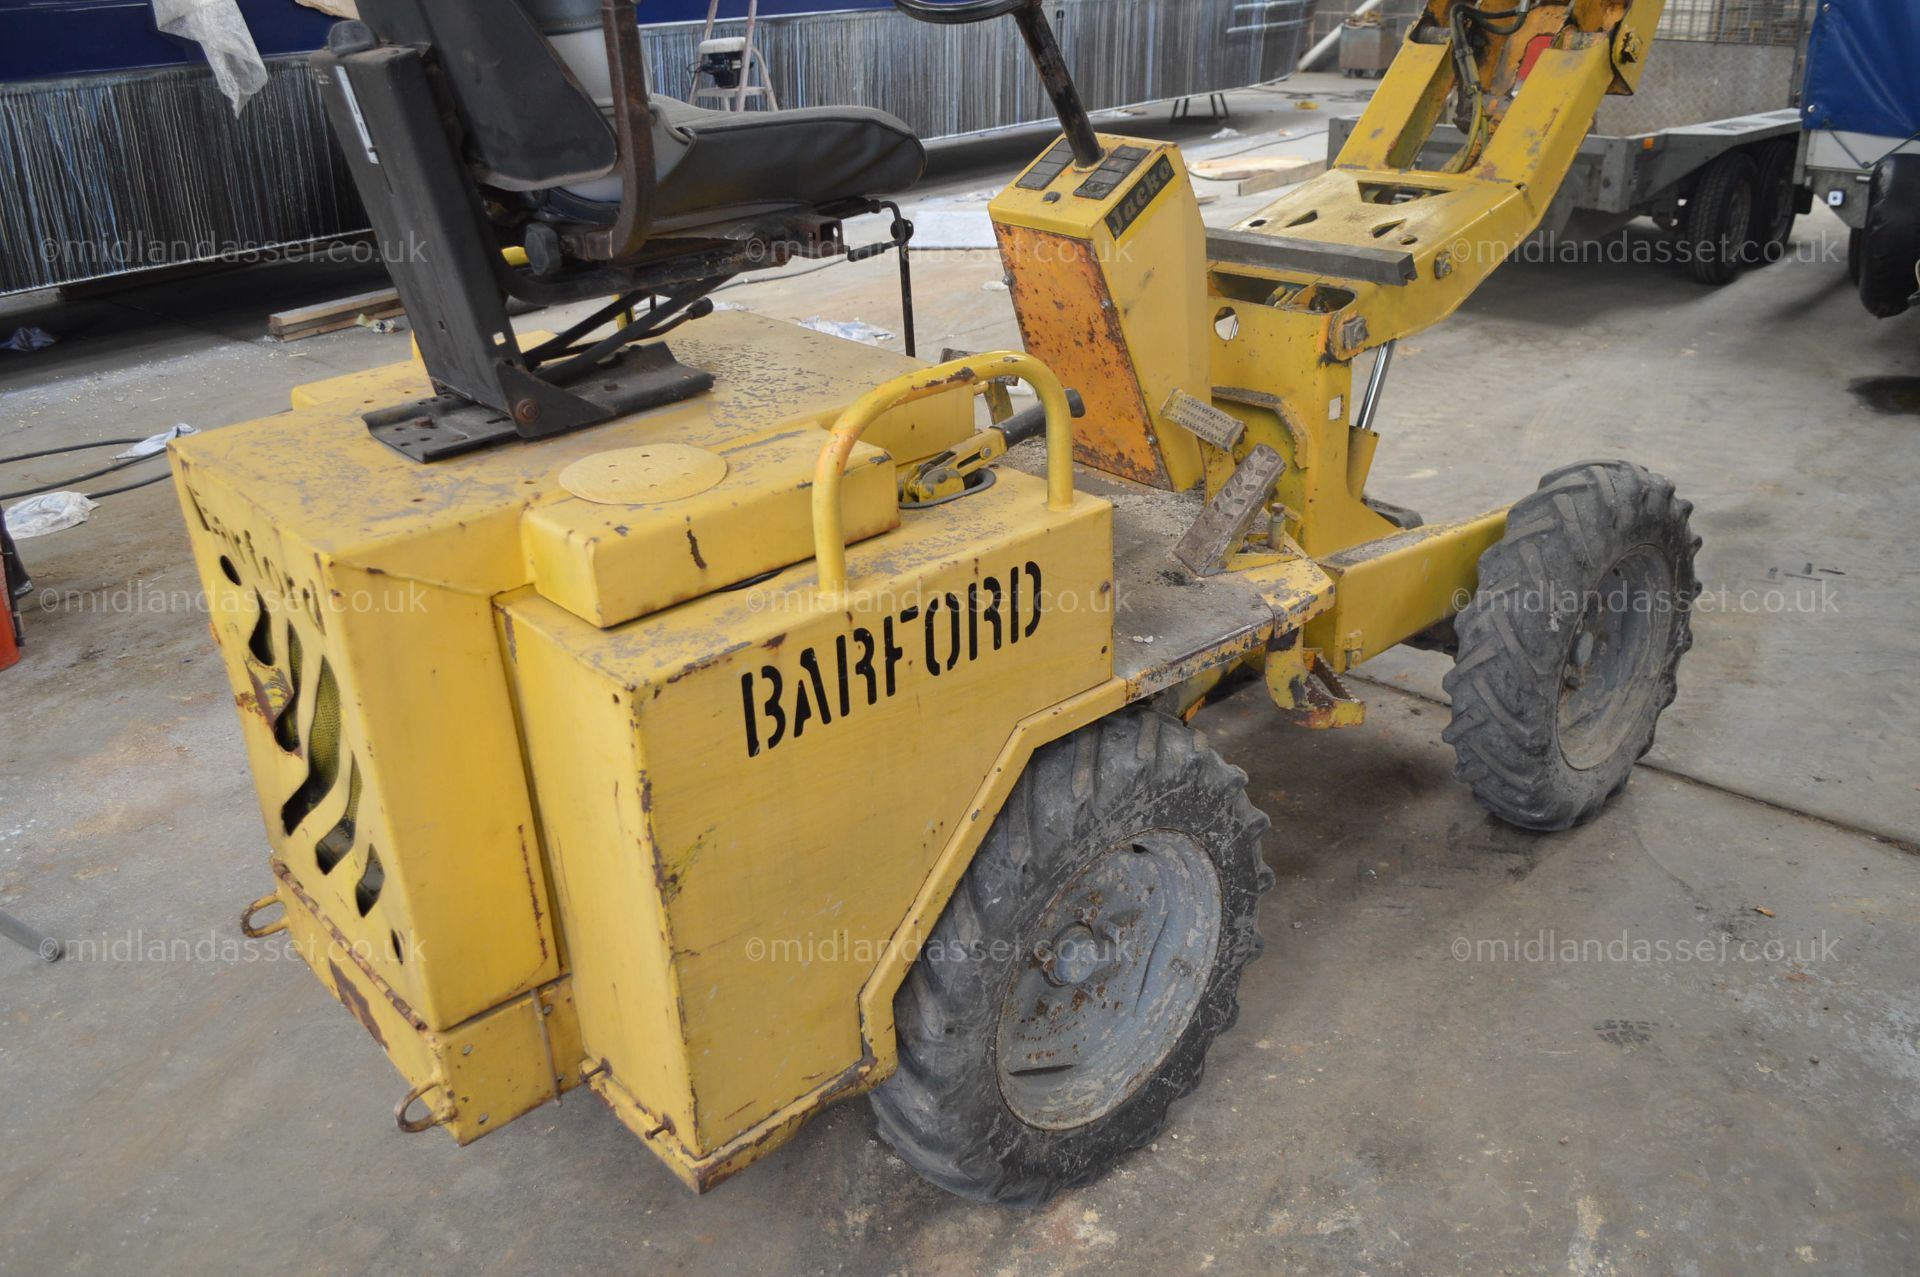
(728, 66)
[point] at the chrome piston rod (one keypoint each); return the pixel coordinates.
(1370, 401)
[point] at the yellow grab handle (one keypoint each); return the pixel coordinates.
(975, 374)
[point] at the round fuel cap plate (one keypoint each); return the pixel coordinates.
(645, 475)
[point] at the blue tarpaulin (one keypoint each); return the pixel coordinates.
(1863, 68)
(54, 39)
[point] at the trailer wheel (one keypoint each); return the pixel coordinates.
(1890, 245)
(1720, 219)
(1777, 203)
(1088, 959)
(1569, 650)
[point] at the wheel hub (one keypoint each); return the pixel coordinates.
(1080, 954)
(1606, 682)
(1116, 966)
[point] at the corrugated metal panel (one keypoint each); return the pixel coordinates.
(945, 81)
(123, 172)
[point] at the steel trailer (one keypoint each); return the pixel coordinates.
(1706, 149)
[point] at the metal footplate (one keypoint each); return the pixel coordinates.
(1204, 421)
(1222, 527)
(639, 379)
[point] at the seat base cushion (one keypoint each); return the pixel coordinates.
(715, 166)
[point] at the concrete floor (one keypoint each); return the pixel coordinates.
(1419, 1082)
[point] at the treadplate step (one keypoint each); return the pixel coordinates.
(1222, 527)
(1206, 422)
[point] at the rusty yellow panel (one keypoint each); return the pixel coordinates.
(1389, 590)
(1069, 320)
(706, 778)
(578, 725)
(1108, 274)
(341, 963)
(1633, 41)
(1296, 587)
(352, 594)
(421, 847)
(473, 1078)
(509, 1061)
(626, 545)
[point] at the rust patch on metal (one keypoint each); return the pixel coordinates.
(1071, 323)
(346, 946)
(251, 705)
(533, 892)
(265, 690)
(734, 1158)
(693, 543)
(708, 662)
(355, 1002)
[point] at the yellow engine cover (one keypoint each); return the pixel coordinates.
(352, 595)
(743, 795)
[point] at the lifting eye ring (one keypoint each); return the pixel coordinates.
(249, 930)
(415, 1125)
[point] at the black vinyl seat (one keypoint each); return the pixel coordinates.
(718, 166)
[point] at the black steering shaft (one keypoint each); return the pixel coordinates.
(1045, 48)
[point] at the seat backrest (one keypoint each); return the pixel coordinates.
(529, 124)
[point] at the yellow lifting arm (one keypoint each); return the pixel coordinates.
(1409, 245)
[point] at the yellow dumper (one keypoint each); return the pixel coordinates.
(733, 725)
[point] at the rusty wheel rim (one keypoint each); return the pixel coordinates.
(1110, 976)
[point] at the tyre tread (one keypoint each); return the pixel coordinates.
(1505, 681)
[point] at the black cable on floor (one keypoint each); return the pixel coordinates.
(68, 482)
(129, 487)
(72, 447)
(58, 484)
